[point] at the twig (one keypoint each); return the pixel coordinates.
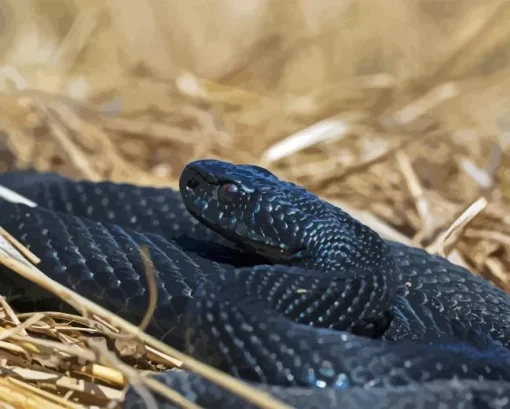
(63, 138)
(439, 245)
(426, 102)
(22, 327)
(413, 184)
(152, 287)
(20, 247)
(327, 130)
(14, 197)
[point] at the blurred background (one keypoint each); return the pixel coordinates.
(396, 111)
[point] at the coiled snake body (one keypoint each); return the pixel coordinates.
(266, 281)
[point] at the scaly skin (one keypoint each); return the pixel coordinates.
(310, 272)
(316, 235)
(431, 395)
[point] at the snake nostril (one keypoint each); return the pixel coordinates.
(192, 183)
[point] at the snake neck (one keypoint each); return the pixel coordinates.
(343, 244)
(279, 221)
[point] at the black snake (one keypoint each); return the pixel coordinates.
(266, 281)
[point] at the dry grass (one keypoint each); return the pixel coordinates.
(396, 111)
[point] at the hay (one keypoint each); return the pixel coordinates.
(397, 112)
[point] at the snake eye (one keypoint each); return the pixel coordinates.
(228, 192)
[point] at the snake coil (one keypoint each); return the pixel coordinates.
(261, 278)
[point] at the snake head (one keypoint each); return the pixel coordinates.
(249, 206)
(278, 220)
